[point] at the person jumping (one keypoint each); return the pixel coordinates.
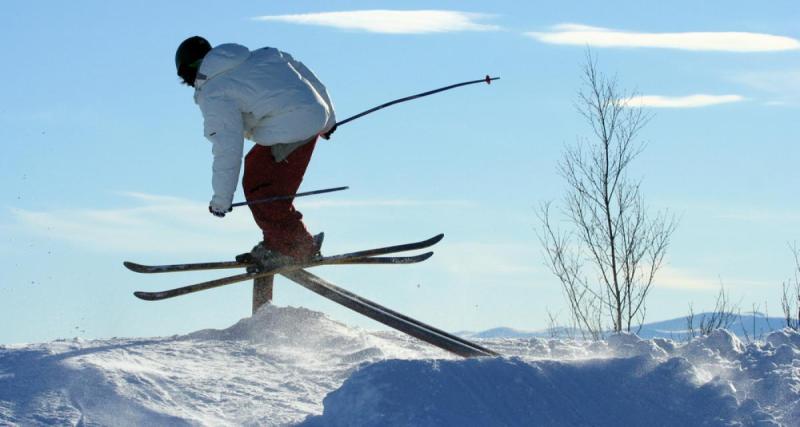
(275, 101)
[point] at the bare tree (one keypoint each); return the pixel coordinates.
(757, 331)
(722, 317)
(556, 330)
(611, 230)
(791, 294)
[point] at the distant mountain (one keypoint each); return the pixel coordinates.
(747, 325)
(501, 332)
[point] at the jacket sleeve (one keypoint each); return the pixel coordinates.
(318, 87)
(223, 126)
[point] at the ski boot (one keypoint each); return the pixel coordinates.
(260, 258)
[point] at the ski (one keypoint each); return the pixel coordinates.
(147, 269)
(171, 268)
(339, 259)
(369, 256)
(389, 317)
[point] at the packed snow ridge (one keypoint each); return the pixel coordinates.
(294, 366)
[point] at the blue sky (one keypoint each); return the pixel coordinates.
(104, 159)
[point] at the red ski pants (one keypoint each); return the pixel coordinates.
(281, 224)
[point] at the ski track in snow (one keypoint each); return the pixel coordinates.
(291, 365)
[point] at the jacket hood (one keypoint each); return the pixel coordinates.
(221, 59)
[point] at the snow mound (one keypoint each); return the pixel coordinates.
(274, 368)
(610, 392)
(290, 365)
(713, 380)
(296, 332)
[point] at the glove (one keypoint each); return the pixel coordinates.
(217, 212)
(327, 135)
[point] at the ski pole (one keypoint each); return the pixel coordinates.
(275, 198)
(487, 80)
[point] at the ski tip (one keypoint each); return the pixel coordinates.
(147, 296)
(437, 238)
(139, 268)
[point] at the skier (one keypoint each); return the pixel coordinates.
(275, 101)
(268, 97)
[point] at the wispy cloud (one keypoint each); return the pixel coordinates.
(689, 101)
(673, 278)
(471, 259)
(764, 215)
(761, 215)
(164, 224)
(583, 35)
(783, 86)
(390, 21)
(669, 277)
(154, 224)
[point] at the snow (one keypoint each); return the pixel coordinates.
(291, 365)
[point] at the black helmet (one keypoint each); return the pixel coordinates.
(188, 57)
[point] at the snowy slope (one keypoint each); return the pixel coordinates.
(291, 365)
(625, 381)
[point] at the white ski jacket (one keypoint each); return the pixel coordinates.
(265, 96)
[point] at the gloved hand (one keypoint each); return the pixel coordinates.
(327, 135)
(217, 211)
